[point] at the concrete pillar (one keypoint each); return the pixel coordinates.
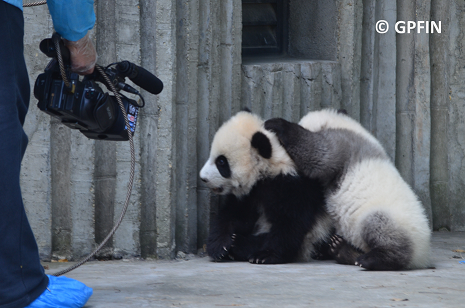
(127, 239)
(62, 224)
(148, 129)
(230, 60)
(378, 74)
(81, 195)
(456, 125)
(349, 46)
(164, 62)
(187, 39)
(105, 152)
(439, 51)
(413, 85)
(205, 127)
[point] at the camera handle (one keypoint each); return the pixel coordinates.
(56, 40)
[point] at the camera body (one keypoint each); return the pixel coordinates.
(82, 104)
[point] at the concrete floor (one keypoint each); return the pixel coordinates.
(200, 283)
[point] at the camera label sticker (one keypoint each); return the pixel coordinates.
(132, 117)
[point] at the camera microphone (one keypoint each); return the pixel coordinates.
(140, 76)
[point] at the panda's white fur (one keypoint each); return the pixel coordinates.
(234, 137)
(369, 186)
(234, 140)
(373, 208)
(330, 118)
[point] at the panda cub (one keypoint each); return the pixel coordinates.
(382, 223)
(270, 215)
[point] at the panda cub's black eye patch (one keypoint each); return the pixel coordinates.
(222, 164)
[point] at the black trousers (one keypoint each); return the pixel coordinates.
(22, 278)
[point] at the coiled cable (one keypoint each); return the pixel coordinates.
(131, 145)
(130, 184)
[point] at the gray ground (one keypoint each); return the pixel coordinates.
(200, 283)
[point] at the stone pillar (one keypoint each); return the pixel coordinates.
(413, 84)
(456, 124)
(105, 152)
(378, 74)
(439, 51)
(349, 46)
(158, 20)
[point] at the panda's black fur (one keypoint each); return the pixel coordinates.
(280, 218)
(284, 201)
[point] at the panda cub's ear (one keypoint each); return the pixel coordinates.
(261, 142)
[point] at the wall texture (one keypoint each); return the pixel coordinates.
(407, 89)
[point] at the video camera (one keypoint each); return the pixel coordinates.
(83, 104)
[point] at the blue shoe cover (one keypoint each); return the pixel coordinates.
(63, 292)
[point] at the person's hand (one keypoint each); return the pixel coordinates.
(83, 55)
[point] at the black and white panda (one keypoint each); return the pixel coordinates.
(270, 215)
(382, 223)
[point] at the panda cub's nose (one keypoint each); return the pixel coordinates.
(204, 180)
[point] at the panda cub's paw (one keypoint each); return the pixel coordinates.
(337, 242)
(281, 128)
(322, 251)
(380, 259)
(342, 251)
(265, 257)
(219, 248)
(221, 254)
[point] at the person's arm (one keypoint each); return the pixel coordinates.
(72, 19)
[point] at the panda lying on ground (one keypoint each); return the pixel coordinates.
(271, 215)
(382, 223)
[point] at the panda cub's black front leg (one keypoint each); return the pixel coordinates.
(280, 245)
(222, 228)
(244, 246)
(219, 243)
(259, 249)
(270, 254)
(230, 235)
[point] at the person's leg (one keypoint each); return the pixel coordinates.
(22, 278)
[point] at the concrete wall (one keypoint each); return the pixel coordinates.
(312, 38)
(74, 188)
(407, 89)
(449, 99)
(411, 97)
